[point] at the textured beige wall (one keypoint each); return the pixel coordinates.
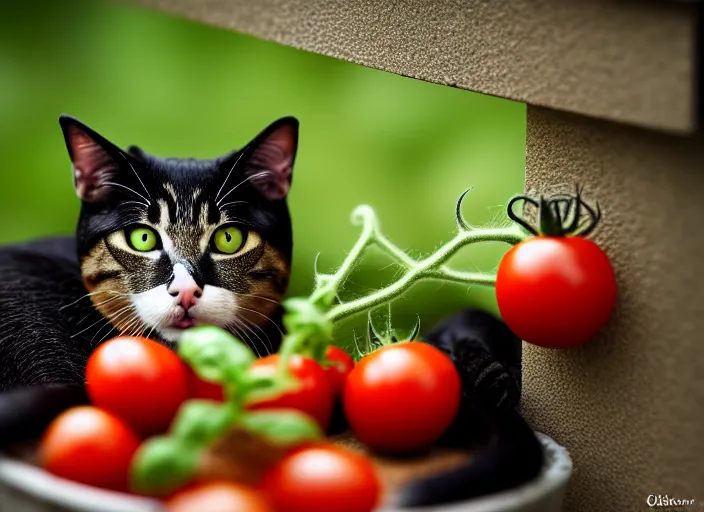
(631, 61)
(630, 404)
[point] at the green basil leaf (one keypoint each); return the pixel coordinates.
(200, 422)
(214, 354)
(282, 427)
(306, 319)
(162, 465)
(258, 387)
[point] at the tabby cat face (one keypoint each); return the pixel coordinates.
(166, 244)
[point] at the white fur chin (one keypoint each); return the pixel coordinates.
(172, 334)
(159, 310)
(217, 306)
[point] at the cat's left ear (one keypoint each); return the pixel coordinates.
(268, 160)
(95, 160)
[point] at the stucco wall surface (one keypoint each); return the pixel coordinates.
(629, 405)
(617, 59)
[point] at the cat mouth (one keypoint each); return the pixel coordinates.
(185, 322)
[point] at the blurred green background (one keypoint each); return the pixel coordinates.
(177, 88)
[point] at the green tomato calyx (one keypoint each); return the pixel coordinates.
(558, 215)
(388, 336)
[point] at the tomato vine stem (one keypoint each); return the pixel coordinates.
(309, 321)
(431, 267)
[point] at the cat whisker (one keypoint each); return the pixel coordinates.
(128, 323)
(88, 295)
(239, 157)
(104, 336)
(150, 332)
(260, 297)
(127, 309)
(244, 222)
(122, 203)
(133, 326)
(270, 347)
(248, 330)
(102, 320)
(130, 319)
(249, 178)
(265, 317)
(113, 184)
(232, 203)
(243, 334)
(137, 175)
(93, 310)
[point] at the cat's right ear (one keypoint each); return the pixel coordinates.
(94, 160)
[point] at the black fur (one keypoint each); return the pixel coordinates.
(506, 452)
(26, 412)
(45, 309)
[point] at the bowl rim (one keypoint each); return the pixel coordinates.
(43, 486)
(551, 482)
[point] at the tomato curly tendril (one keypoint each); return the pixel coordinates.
(556, 289)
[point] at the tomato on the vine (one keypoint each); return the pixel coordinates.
(342, 364)
(322, 478)
(402, 397)
(555, 291)
(313, 394)
(138, 379)
(91, 446)
(217, 497)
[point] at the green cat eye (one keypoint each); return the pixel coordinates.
(228, 240)
(143, 239)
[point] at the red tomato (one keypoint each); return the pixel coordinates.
(322, 478)
(555, 292)
(90, 446)
(313, 395)
(203, 389)
(402, 397)
(218, 497)
(338, 372)
(138, 379)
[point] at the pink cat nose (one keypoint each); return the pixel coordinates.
(190, 296)
(184, 287)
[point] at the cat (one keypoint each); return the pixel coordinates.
(161, 245)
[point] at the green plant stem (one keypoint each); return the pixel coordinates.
(290, 345)
(455, 276)
(392, 250)
(329, 284)
(322, 300)
(430, 267)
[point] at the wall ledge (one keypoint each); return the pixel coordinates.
(630, 62)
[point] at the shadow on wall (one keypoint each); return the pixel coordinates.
(178, 88)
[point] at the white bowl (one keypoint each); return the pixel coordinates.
(26, 488)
